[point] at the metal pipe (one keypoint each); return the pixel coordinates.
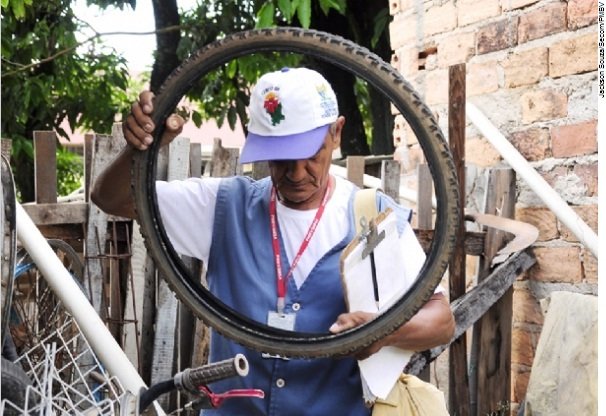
(548, 195)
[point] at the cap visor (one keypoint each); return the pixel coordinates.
(292, 147)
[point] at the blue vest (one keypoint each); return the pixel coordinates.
(241, 273)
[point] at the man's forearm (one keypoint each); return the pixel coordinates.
(112, 189)
(433, 325)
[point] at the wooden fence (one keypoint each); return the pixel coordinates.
(160, 336)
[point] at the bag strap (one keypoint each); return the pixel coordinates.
(365, 205)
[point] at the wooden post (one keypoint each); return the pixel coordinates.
(195, 160)
(45, 166)
(224, 160)
(355, 170)
(89, 148)
(165, 351)
(458, 388)
(424, 220)
(106, 149)
(390, 178)
(492, 334)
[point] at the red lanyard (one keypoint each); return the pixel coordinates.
(273, 221)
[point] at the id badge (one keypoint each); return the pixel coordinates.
(284, 321)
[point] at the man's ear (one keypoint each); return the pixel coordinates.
(338, 130)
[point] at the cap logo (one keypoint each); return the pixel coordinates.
(273, 107)
(328, 105)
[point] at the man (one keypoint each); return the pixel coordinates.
(241, 229)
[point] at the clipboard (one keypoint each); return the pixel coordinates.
(381, 371)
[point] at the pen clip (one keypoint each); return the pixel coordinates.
(370, 235)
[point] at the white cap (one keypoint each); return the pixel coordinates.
(290, 112)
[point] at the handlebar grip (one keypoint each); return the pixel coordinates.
(191, 378)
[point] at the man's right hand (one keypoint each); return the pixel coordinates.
(139, 128)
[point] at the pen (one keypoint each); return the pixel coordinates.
(375, 284)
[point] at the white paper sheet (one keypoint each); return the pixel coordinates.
(381, 370)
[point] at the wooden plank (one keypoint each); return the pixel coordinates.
(224, 160)
(45, 166)
(390, 178)
(106, 149)
(492, 334)
(355, 170)
(458, 390)
(424, 196)
(57, 214)
(470, 307)
(165, 350)
(89, 149)
(139, 308)
(474, 241)
(195, 160)
(425, 224)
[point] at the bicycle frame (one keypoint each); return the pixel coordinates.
(61, 282)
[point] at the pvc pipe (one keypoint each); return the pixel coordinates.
(372, 182)
(536, 182)
(61, 282)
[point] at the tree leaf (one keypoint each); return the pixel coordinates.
(266, 17)
(304, 13)
(285, 7)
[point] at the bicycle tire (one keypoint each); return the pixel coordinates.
(37, 311)
(362, 63)
(9, 244)
(14, 387)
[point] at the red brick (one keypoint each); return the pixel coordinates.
(482, 78)
(526, 308)
(440, 18)
(497, 36)
(519, 380)
(574, 140)
(582, 13)
(402, 30)
(543, 105)
(525, 67)
(542, 218)
(473, 11)
(523, 346)
(590, 266)
(545, 20)
(509, 5)
(394, 7)
(532, 143)
(436, 86)
(557, 264)
(479, 151)
(456, 48)
(573, 56)
(589, 176)
(589, 214)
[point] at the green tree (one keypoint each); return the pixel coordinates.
(47, 79)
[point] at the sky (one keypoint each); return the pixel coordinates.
(137, 49)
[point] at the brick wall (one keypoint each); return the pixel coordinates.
(532, 69)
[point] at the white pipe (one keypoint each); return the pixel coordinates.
(372, 182)
(61, 282)
(536, 182)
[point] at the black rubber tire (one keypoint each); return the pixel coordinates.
(37, 312)
(362, 63)
(14, 386)
(8, 221)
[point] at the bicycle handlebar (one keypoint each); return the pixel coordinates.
(192, 378)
